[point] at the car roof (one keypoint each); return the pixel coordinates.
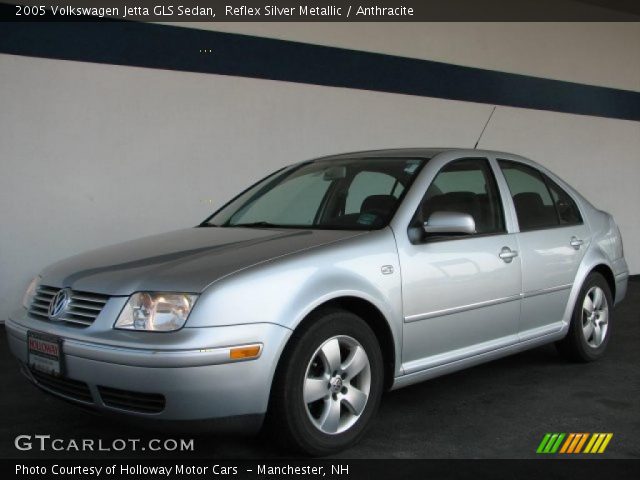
(415, 153)
(429, 153)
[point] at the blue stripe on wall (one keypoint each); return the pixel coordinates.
(178, 48)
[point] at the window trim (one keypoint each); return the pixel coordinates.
(446, 238)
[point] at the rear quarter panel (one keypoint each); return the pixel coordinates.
(602, 250)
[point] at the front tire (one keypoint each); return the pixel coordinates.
(590, 327)
(328, 384)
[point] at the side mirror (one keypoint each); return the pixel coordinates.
(448, 223)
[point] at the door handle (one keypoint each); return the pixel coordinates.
(507, 254)
(576, 242)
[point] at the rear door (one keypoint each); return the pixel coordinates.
(552, 239)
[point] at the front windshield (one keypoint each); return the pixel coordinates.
(347, 194)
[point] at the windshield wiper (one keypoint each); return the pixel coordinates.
(254, 224)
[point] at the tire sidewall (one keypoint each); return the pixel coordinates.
(328, 325)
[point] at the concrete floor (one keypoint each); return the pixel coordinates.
(497, 410)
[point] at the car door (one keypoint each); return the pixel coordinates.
(461, 293)
(552, 241)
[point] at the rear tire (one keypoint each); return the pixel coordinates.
(328, 384)
(590, 327)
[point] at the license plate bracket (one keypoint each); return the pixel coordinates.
(44, 353)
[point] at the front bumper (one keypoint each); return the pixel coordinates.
(194, 383)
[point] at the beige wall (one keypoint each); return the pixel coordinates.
(95, 154)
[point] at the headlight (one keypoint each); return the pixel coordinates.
(157, 312)
(30, 293)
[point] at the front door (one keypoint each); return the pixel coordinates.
(461, 294)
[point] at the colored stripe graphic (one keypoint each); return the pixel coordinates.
(567, 443)
(605, 443)
(574, 443)
(590, 444)
(556, 445)
(550, 443)
(543, 443)
(581, 442)
(598, 443)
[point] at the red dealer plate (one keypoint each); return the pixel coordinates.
(45, 353)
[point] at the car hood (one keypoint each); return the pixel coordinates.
(184, 260)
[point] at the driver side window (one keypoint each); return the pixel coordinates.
(465, 186)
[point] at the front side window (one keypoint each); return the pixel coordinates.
(347, 194)
(535, 207)
(465, 186)
(367, 184)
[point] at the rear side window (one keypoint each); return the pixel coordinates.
(539, 202)
(567, 209)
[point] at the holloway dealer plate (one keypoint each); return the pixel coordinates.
(45, 353)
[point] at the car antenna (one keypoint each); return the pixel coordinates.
(485, 127)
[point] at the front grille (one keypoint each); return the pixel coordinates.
(81, 311)
(133, 401)
(63, 386)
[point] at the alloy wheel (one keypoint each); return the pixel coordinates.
(595, 317)
(337, 384)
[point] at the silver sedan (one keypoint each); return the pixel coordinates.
(302, 299)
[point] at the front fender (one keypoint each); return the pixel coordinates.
(284, 291)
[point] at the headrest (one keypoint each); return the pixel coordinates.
(381, 204)
(465, 202)
(530, 201)
(459, 197)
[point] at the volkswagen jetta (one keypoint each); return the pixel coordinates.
(310, 293)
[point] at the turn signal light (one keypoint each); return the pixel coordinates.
(245, 352)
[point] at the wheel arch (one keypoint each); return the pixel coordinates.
(594, 261)
(607, 273)
(368, 312)
(371, 315)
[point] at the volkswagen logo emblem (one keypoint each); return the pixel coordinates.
(59, 303)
